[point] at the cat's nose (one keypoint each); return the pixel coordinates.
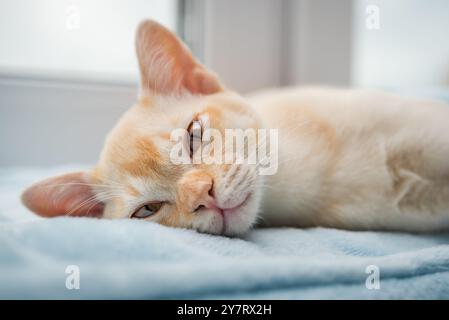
(205, 197)
(196, 191)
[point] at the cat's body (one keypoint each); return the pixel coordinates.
(347, 158)
(357, 159)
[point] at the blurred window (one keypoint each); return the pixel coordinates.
(401, 43)
(76, 39)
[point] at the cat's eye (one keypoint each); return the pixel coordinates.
(147, 210)
(195, 130)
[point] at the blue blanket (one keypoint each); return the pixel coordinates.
(42, 258)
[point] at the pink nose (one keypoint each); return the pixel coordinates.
(205, 197)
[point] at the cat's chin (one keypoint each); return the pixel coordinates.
(234, 221)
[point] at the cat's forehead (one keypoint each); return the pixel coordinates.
(159, 116)
(139, 145)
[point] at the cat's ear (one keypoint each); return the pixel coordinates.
(65, 195)
(167, 65)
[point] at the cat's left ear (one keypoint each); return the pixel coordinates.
(167, 66)
(65, 195)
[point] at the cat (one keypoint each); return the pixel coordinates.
(352, 159)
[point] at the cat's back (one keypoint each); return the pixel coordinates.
(344, 107)
(355, 152)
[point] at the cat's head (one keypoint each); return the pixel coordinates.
(137, 177)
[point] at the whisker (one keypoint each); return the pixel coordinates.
(102, 196)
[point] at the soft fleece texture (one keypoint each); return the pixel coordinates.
(138, 259)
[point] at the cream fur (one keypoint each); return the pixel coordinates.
(357, 159)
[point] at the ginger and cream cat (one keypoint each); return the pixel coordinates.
(354, 159)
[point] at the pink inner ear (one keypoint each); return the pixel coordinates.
(68, 194)
(167, 65)
(202, 82)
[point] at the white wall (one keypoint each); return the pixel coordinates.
(243, 42)
(55, 122)
(255, 44)
(317, 42)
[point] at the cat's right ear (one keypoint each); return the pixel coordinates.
(65, 195)
(167, 66)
